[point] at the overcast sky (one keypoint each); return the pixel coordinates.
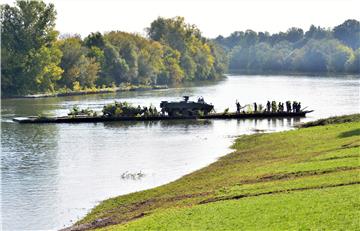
(213, 17)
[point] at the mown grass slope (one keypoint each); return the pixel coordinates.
(301, 179)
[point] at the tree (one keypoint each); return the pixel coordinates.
(172, 32)
(353, 63)
(339, 55)
(88, 70)
(221, 61)
(130, 53)
(72, 50)
(95, 40)
(250, 38)
(44, 67)
(349, 33)
(197, 60)
(239, 57)
(171, 72)
(294, 34)
(314, 51)
(115, 67)
(28, 37)
(317, 33)
(189, 66)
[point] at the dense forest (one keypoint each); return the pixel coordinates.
(334, 50)
(35, 59)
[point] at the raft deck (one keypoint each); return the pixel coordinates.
(91, 119)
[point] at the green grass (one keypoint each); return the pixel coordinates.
(334, 120)
(332, 208)
(300, 179)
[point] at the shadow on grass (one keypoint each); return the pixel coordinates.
(355, 132)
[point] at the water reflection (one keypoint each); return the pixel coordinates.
(186, 123)
(183, 124)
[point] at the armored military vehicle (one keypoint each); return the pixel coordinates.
(186, 107)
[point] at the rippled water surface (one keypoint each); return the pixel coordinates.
(52, 174)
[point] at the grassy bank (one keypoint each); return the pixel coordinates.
(301, 179)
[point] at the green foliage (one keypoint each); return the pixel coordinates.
(44, 68)
(353, 63)
(79, 63)
(273, 106)
(260, 108)
(30, 56)
(94, 40)
(126, 109)
(316, 50)
(349, 33)
(198, 58)
(121, 109)
(72, 51)
(34, 60)
(76, 111)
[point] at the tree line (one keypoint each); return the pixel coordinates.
(35, 59)
(316, 50)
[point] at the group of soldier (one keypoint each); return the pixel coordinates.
(294, 107)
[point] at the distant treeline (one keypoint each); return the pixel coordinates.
(36, 60)
(316, 50)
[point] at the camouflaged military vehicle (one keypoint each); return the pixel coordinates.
(186, 107)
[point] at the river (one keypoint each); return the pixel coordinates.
(53, 174)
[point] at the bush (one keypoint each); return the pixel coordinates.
(75, 111)
(121, 109)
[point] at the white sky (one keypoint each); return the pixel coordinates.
(213, 17)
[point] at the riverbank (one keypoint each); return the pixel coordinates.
(290, 73)
(91, 91)
(306, 178)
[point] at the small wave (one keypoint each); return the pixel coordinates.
(6, 120)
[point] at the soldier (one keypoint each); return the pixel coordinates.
(255, 107)
(238, 107)
(273, 106)
(299, 107)
(294, 106)
(268, 106)
(288, 106)
(279, 107)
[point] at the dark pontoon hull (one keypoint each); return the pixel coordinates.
(88, 119)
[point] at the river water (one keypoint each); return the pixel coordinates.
(53, 174)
